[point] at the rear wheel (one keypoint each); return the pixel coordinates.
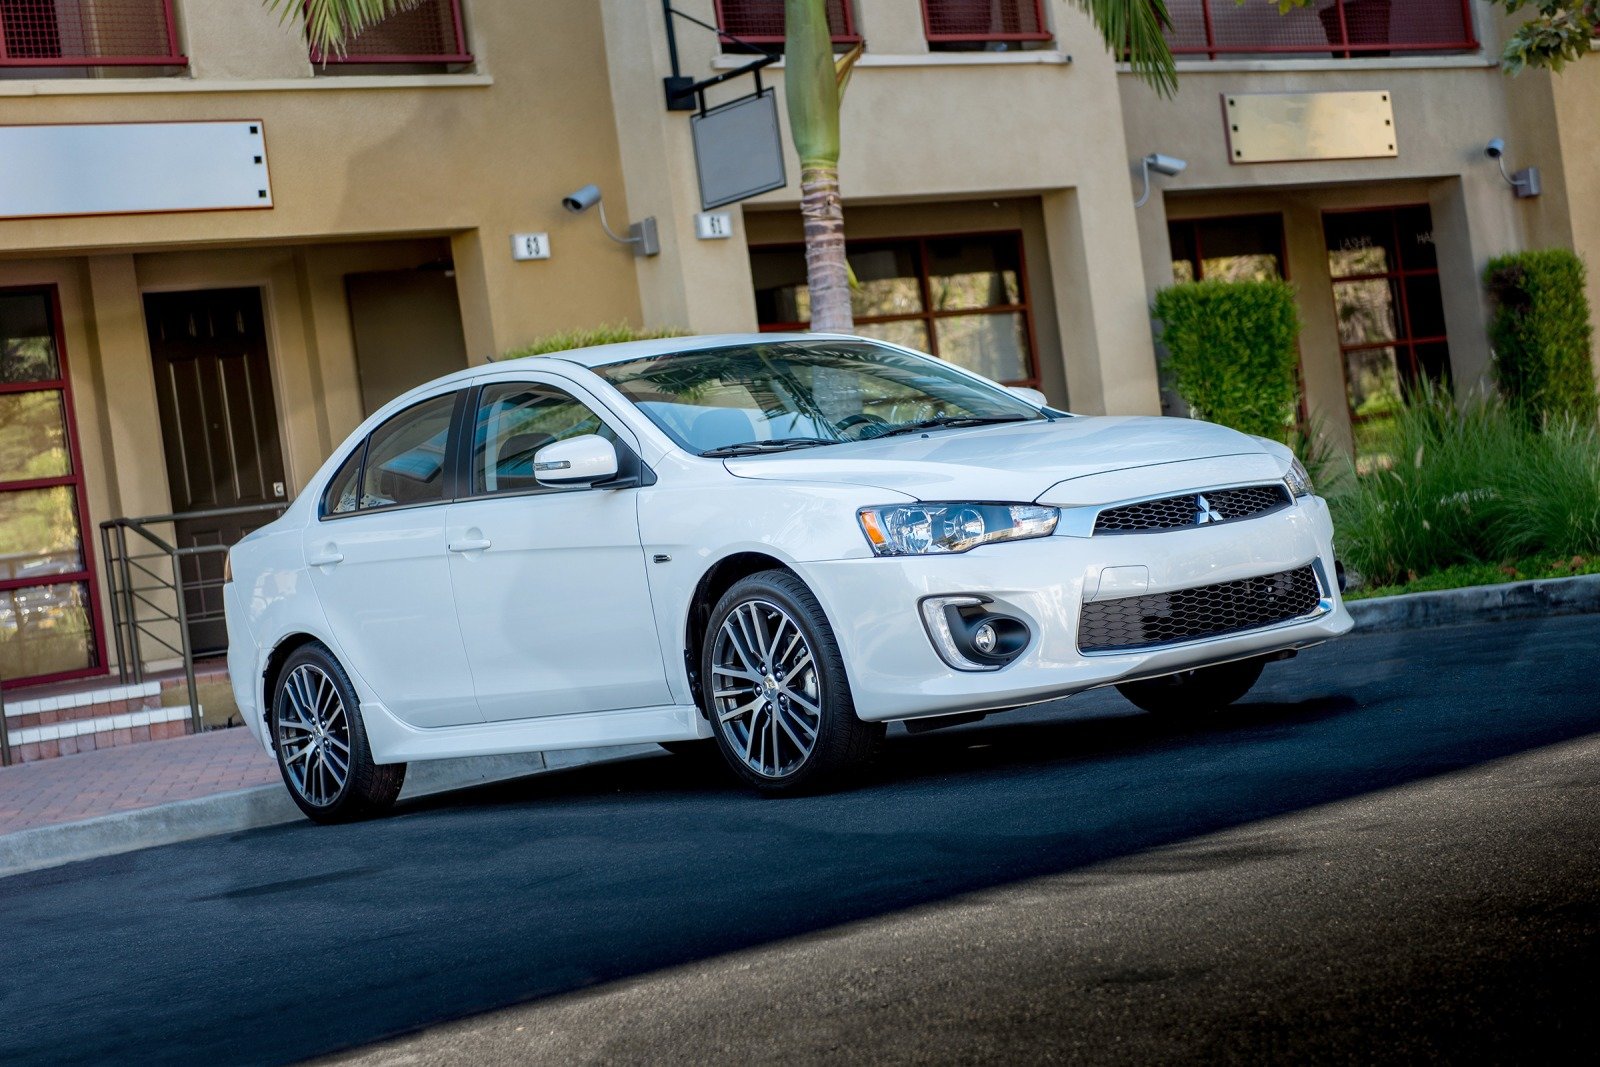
(774, 683)
(1195, 692)
(322, 745)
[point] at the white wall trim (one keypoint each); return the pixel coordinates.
(1347, 66)
(927, 59)
(131, 86)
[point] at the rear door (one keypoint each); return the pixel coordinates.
(377, 559)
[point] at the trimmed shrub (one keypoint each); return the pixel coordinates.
(610, 334)
(1542, 336)
(1231, 352)
(1470, 485)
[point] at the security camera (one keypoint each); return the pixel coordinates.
(1495, 148)
(582, 199)
(1168, 165)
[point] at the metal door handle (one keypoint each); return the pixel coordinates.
(475, 545)
(327, 559)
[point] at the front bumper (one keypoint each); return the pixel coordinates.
(896, 674)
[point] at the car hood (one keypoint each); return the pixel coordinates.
(1005, 462)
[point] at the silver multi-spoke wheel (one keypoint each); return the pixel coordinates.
(765, 687)
(313, 735)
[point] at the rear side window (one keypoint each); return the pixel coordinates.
(401, 463)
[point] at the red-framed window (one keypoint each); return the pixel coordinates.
(1343, 28)
(962, 297)
(760, 22)
(88, 33)
(430, 33)
(49, 622)
(1390, 311)
(983, 21)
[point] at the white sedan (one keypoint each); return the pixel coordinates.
(782, 542)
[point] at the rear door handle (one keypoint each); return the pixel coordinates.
(476, 544)
(327, 559)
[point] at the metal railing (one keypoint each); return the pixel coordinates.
(150, 592)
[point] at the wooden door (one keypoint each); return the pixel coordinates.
(219, 430)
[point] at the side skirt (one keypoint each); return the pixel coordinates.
(393, 741)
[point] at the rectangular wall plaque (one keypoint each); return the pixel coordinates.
(1295, 127)
(132, 167)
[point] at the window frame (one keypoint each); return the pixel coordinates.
(87, 574)
(1042, 34)
(928, 315)
(459, 57)
(850, 35)
(174, 56)
(1347, 49)
(467, 462)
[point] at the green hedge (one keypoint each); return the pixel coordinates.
(1231, 352)
(1541, 335)
(610, 334)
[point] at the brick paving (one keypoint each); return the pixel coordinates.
(70, 788)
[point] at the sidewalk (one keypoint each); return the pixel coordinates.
(114, 780)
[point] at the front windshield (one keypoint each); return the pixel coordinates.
(769, 396)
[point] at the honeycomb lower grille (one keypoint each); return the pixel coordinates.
(1192, 509)
(1193, 614)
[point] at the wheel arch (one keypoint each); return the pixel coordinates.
(273, 669)
(717, 580)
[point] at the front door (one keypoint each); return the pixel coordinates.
(550, 584)
(219, 429)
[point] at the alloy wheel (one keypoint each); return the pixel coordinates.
(765, 688)
(313, 731)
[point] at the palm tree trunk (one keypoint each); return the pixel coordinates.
(827, 276)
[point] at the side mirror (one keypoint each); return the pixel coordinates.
(577, 461)
(1032, 396)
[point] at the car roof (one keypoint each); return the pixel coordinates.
(604, 355)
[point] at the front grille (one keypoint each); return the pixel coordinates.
(1191, 614)
(1175, 512)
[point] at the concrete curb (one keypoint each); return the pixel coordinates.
(269, 805)
(1479, 603)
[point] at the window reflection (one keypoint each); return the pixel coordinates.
(27, 347)
(45, 629)
(39, 533)
(33, 436)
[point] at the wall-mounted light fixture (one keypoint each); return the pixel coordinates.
(1525, 181)
(1171, 166)
(642, 235)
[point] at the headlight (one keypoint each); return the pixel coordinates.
(938, 529)
(1298, 481)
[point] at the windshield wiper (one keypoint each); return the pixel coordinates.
(939, 422)
(756, 448)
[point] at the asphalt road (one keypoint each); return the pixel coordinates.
(1389, 852)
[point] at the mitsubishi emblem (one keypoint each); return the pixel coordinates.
(1206, 513)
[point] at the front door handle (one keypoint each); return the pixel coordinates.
(475, 544)
(327, 559)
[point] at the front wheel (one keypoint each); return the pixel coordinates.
(322, 745)
(774, 683)
(1195, 692)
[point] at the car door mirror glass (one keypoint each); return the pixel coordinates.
(577, 461)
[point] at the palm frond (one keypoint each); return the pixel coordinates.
(1132, 30)
(331, 23)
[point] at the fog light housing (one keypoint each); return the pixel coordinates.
(969, 636)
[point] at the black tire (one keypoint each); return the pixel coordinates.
(842, 742)
(1195, 692)
(367, 788)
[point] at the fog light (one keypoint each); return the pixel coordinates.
(985, 638)
(969, 636)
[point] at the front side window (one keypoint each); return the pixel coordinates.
(515, 420)
(769, 396)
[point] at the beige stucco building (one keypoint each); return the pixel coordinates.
(161, 360)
